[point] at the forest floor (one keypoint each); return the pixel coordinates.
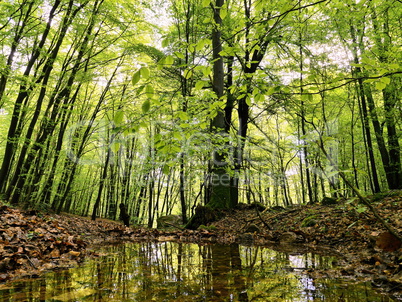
(32, 242)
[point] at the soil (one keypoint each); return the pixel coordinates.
(32, 242)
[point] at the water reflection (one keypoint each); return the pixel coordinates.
(188, 272)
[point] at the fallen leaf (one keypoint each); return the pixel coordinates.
(74, 253)
(388, 242)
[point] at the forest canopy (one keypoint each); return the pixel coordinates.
(148, 108)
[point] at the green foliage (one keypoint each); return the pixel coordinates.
(309, 221)
(291, 75)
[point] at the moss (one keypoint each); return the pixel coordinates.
(326, 201)
(203, 216)
(309, 221)
(208, 228)
(383, 195)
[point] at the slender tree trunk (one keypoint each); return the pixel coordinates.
(17, 115)
(26, 9)
(102, 181)
(365, 116)
(391, 156)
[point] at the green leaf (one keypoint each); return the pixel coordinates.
(206, 71)
(369, 61)
(165, 43)
(223, 13)
(206, 20)
(179, 55)
(146, 106)
(361, 209)
(380, 85)
(118, 117)
(188, 73)
(183, 115)
(200, 45)
(205, 3)
(166, 169)
(259, 98)
(140, 89)
(199, 85)
(385, 80)
(136, 77)
(177, 135)
(307, 97)
(169, 60)
(115, 146)
(161, 64)
(149, 91)
(248, 100)
(191, 47)
(144, 71)
(271, 90)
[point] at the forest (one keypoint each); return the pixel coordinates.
(140, 109)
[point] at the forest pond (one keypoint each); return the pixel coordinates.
(170, 271)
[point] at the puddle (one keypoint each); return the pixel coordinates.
(189, 272)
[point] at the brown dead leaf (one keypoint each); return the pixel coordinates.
(55, 253)
(74, 254)
(388, 242)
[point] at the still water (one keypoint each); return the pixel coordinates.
(189, 272)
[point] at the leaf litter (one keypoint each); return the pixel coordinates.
(32, 242)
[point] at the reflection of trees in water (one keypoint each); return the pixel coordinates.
(188, 272)
(228, 282)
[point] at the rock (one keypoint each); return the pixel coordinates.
(252, 229)
(168, 221)
(277, 208)
(309, 221)
(288, 237)
(259, 206)
(326, 201)
(203, 215)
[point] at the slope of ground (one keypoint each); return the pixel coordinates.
(32, 242)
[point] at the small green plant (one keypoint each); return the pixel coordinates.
(361, 208)
(309, 221)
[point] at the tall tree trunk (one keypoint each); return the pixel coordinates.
(365, 115)
(18, 113)
(394, 148)
(56, 99)
(220, 179)
(383, 41)
(25, 10)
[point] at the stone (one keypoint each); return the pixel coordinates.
(288, 237)
(168, 221)
(252, 229)
(326, 201)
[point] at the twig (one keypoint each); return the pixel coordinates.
(263, 221)
(30, 262)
